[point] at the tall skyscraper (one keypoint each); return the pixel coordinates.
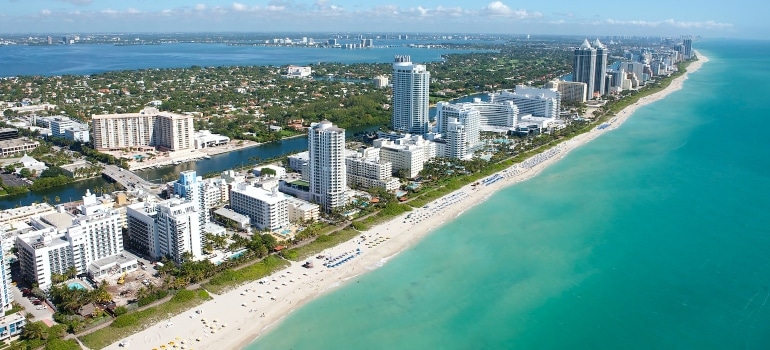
(411, 84)
(687, 48)
(601, 68)
(326, 166)
(584, 66)
(6, 296)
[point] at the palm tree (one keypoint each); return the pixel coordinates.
(34, 330)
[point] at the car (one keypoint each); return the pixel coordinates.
(41, 307)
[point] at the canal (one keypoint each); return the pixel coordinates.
(215, 164)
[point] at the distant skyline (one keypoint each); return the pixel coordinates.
(596, 18)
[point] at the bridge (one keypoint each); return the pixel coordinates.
(129, 180)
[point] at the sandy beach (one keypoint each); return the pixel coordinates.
(234, 319)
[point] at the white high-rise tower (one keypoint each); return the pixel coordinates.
(326, 165)
(411, 85)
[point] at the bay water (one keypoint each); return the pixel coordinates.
(654, 236)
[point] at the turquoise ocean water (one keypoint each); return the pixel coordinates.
(654, 236)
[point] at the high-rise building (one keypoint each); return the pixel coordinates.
(150, 127)
(178, 230)
(168, 228)
(584, 66)
(365, 169)
(6, 296)
(326, 165)
(601, 69)
(687, 42)
(63, 241)
(410, 103)
(266, 209)
(464, 136)
(569, 90)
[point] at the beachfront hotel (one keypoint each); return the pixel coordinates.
(168, 228)
(410, 103)
(266, 209)
(570, 90)
(62, 240)
(365, 169)
(538, 102)
(149, 128)
(407, 154)
(326, 165)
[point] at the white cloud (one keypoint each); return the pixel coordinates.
(200, 7)
(499, 9)
(132, 11)
(237, 6)
(673, 23)
(45, 12)
(78, 2)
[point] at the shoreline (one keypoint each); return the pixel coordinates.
(237, 318)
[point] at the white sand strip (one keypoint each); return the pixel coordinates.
(235, 319)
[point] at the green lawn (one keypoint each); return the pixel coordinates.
(136, 321)
(229, 279)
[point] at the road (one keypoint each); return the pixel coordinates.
(129, 180)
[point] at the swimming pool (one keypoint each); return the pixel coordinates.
(76, 285)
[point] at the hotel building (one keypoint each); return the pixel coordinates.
(168, 228)
(366, 170)
(267, 209)
(570, 90)
(534, 101)
(408, 153)
(63, 240)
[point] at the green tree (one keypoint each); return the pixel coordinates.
(34, 330)
(26, 173)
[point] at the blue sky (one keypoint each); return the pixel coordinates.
(597, 17)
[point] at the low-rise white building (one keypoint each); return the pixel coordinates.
(279, 170)
(24, 214)
(408, 153)
(298, 71)
(205, 139)
(302, 211)
(12, 325)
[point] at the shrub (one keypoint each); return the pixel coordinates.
(126, 320)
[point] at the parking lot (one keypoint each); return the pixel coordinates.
(40, 312)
